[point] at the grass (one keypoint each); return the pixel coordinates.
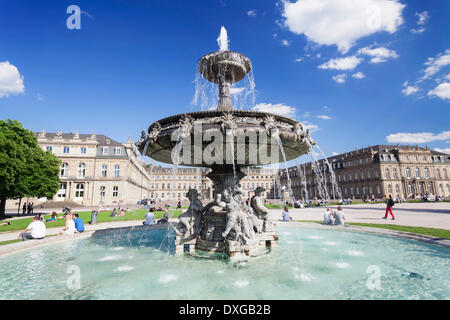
(434, 232)
(138, 214)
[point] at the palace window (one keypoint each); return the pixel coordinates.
(427, 174)
(117, 150)
(441, 188)
(79, 190)
(105, 151)
(406, 158)
(116, 191)
(81, 170)
(62, 190)
(416, 158)
(388, 176)
(417, 173)
(394, 173)
(102, 192)
(408, 173)
(445, 174)
(104, 170)
(49, 148)
(438, 174)
(397, 189)
(368, 174)
(410, 188)
(63, 169)
(389, 188)
(162, 185)
(82, 150)
(66, 150)
(117, 171)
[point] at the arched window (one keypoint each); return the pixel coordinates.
(438, 174)
(448, 188)
(79, 190)
(408, 173)
(81, 170)
(394, 173)
(445, 174)
(427, 174)
(417, 173)
(102, 191)
(64, 169)
(389, 188)
(441, 188)
(388, 176)
(397, 189)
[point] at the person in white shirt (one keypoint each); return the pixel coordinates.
(69, 229)
(149, 219)
(339, 216)
(328, 216)
(35, 230)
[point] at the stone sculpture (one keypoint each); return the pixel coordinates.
(261, 211)
(190, 221)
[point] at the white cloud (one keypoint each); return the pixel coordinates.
(422, 137)
(324, 117)
(346, 63)
(11, 82)
(358, 75)
(299, 59)
(436, 64)
(342, 23)
(447, 77)
(310, 126)
(423, 17)
(442, 91)
(275, 108)
(306, 114)
(236, 90)
(285, 43)
(275, 35)
(379, 54)
(340, 78)
(334, 153)
(409, 90)
(444, 150)
(252, 13)
(39, 97)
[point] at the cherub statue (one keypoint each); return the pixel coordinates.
(236, 219)
(191, 219)
(260, 210)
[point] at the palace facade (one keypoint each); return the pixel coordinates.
(165, 186)
(410, 171)
(95, 169)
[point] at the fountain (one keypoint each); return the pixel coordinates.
(226, 225)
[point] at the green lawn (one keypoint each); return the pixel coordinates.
(438, 233)
(138, 214)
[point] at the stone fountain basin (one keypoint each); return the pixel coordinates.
(295, 140)
(224, 66)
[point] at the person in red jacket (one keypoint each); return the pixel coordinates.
(389, 205)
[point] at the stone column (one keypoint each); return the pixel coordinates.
(224, 97)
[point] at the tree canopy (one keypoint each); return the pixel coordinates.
(25, 169)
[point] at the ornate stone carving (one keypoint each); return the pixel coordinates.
(298, 130)
(236, 219)
(42, 134)
(270, 124)
(186, 123)
(76, 135)
(228, 122)
(156, 130)
(59, 134)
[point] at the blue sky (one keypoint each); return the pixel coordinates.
(358, 75)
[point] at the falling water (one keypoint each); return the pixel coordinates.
(302, 175)
(334, 184)
(276, 134)
(320, 179)
(230, 151)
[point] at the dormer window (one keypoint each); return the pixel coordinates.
(105, 151)
(108, 141)
(117, 150)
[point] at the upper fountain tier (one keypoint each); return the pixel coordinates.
(224, 68)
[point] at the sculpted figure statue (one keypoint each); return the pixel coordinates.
(236, 219)
(191, 219)
(255, 224)
(261, 211)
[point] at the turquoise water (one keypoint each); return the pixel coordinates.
(308, 263)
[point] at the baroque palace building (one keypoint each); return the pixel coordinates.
(165, 186)
(95, 169)
(410, 171)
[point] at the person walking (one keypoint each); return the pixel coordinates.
(389, 205)
(24, 208)
(32, 207)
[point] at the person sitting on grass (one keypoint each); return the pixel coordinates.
(69, 229)
(339, 216)
(113, 213)
(165, 218)
(5, 223)
(122, 212)
(35, 230)
(52, 218)
(79, 224)
(328, 216)
(286, 216)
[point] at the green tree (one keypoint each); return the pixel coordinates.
(25, 169)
